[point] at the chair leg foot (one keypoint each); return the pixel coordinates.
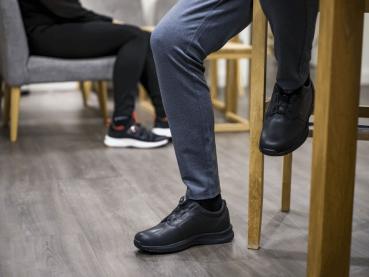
(14, 112)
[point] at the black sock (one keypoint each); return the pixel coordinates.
(212, 204)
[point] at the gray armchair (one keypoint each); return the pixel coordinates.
(18, 67)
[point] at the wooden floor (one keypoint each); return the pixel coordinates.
(70, 207)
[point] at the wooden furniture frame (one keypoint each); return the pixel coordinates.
(336, 114)
(101, 88)
(232, 52)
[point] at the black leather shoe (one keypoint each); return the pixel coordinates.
(189, 224)
(286, 124)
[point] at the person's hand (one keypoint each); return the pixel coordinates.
(119, 22)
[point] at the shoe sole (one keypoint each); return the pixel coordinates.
(132, 143)
(300, 141)
(203, 239)
(162, 132)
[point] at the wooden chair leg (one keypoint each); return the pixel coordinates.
(228, 85)
(102, 93)
(213, 67)
(85, 87)
(257, 98)
(240, 86)
(286, 183)
(6, 108)
(232, 86)
(14, 112)
(142, 94)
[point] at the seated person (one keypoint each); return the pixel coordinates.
(64, 29)
(183, 39)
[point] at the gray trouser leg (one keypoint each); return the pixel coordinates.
(185, 36)
(182, 40)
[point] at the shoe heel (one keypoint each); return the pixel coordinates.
(217, 238)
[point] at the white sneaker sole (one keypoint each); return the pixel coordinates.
(114, 142)
(164, 132)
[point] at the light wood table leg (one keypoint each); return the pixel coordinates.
(334, 143)
(257, 99)
(286, 183)
(14, 112)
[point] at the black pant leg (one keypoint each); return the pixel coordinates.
(150, 81)
(293, 25)
(130, 61)
(97, 39)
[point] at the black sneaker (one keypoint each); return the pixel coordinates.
(188, 225)
(286, 124)
(134, 136)
(161, 128)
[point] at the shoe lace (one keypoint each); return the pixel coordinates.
(178, 211)
(283, 102)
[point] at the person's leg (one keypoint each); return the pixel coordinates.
(293, 26)
(182, 40)
(192, 30)
(96, 39)
(128, 69)
(80, 40)
(150, 82)
(286, 124)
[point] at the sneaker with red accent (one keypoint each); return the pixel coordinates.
(134, 136)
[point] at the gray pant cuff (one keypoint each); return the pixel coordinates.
(205, 196)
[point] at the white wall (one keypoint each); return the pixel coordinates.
(148, 7)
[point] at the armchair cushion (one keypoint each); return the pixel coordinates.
(44, 69)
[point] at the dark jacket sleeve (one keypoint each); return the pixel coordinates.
(73, 10)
